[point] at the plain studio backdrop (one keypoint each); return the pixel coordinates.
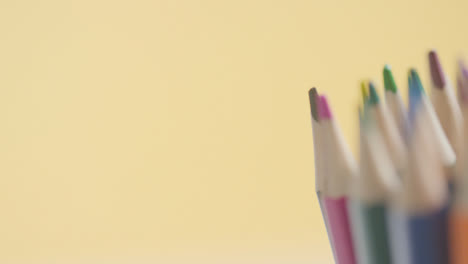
(179, 131)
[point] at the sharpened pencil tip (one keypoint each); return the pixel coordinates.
(437, 74)
(463, 69)
(364, 92)
(416, 81)
(313, 99)
(462, 90)
(415, 93)
(324, 108)
(389, 82)
(373, 95)
(462, 82)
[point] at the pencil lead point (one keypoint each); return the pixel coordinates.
(364, 92)
(437, 74)
(416, 81)
(313, 99)
(373, 95)
(389, 82)
(415, 92)
(324, 109)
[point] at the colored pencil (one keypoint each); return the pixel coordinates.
(391, 136)
(341, 169)
(377, 182)
(418, 98)
(358, 224)
(394, 101)
(459, 213)
(319, 166)
(446, 106)
(407, 202)
(425, 190)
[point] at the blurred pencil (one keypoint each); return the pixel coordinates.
(459, 213)
(358, 225)
(319, 162)
(364, 92)
(425, 189)
(446, 106)
(387, 126)
(418, 98)
(394, 101)
(340, 171)
(377, 181)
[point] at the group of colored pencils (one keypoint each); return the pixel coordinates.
(406, 201)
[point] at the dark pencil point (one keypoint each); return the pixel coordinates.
(438, 78)
(313, 99)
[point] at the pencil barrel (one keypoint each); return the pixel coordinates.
(338, 218)
(375, 219)
(428, 238)
(327, 225)
(459, 237)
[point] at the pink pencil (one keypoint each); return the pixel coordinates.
(340, 171)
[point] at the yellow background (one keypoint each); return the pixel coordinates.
(179, 131)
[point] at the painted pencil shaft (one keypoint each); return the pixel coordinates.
(428, 238)
(337, 211)
(459, 237)
(399, 238)
(326, 222)
(376, 182)
(358, 227)
(375, 219)
(458, 228)
(443, 233)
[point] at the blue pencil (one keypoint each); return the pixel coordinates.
(426, 186)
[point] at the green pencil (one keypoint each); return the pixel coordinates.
(394, 102)
(377, 182)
